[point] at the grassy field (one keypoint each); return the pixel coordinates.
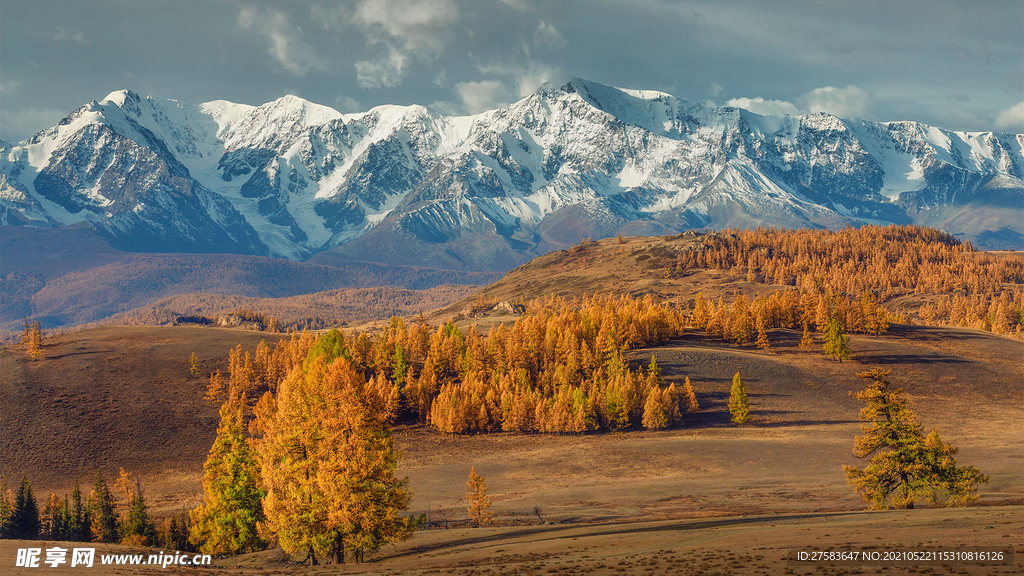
(674, 497)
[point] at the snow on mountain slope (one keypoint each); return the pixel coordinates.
(292, 178)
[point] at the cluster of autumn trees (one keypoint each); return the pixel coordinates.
(311, 464)
(32, 339)
(560, 368)
(746, 322)
(846, 267)
(94, 517)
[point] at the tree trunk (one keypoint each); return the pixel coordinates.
(339, 549)
(312, 557)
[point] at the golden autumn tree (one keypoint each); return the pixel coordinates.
(479, 501)
(807, 339)
(762, 336)
(690, 397)
(655, 415)
(670, 399)
(32, 339)
(328, 461)
(228, 519)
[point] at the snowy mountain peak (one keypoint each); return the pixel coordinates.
(118, 97)
(307, 112)
(293, 178)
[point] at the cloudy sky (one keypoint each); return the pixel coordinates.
(956, 64)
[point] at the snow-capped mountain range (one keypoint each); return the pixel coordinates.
(406, 184)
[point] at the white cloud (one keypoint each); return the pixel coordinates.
(447, 108)
(286, 48)
(849, 102)
(1012, 118)
(416, 25)
(759, 105)
(547, 35)
(522, 5)
(61, 34)
(386, 72)
(348, 104)
(404, 30)
(479, 96)
(441, 80)
(9, 86)
(526, 77)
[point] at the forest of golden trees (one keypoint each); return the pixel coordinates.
(928, 272)
(559, 368)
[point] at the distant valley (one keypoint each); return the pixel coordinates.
(65, 277)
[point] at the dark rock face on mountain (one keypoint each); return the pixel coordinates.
(407, 185)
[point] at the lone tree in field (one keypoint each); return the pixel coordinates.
(479, 501)
(328, 460)
(739, 408)
(226, 522)
(903, 466)
(836, 341)
(193, 364)
(690, 397)
(32, 339)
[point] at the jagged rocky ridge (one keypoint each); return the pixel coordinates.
(407, 185)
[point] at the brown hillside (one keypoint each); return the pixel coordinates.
(917, 274)
(110, 397)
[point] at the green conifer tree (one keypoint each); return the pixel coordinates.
(103, 512)
(227, 520)
(903, 466)
(836, 341)
(739, 408)
(136, 527)
(24, 521)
